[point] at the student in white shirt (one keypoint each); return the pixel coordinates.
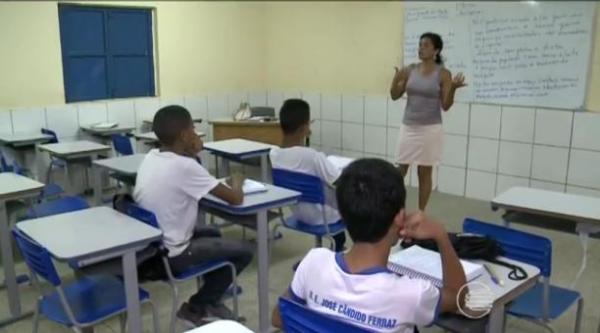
(294, 118)
(357, 286)
(170, 182)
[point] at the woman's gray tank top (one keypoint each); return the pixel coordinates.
(423, 105)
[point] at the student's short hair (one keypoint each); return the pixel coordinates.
(294, 114)
(370, 193)
(169, 122)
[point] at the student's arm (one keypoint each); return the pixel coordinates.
(398, 86)
(233, 195)
(295, 292)
(276, 316)
(419, 227)
(449, 87)
(326, 170)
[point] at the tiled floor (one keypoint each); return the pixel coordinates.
(286, 252)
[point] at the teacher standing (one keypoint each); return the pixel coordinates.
(430, 89)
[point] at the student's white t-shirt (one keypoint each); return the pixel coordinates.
(376, 299)
(311, 162)
(170, 186)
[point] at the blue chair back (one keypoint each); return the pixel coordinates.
(51, 133)
(300, 319)
(131, 209)
(517, 245)
(122, 144)
(4, 167)
(37, 258)
(58, 206)
(310, 186)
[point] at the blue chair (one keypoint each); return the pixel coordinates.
(4, 166)
(313, 192)
(58, 206)
(544, 302)
(122, 144)
(193, 272)
(54, 162)
(82, 303)
(298, 318)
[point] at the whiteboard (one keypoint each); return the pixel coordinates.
(528, 53)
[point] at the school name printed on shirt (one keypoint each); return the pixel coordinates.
(351, 313)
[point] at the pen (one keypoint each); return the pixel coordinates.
(493, 275)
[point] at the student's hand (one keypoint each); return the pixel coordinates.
(458, 81)
(401, 75)
(418, 226)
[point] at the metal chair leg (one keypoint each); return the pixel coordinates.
(235, 292)
(578, 316)
(173, 323)
(36, 315)
(154, 317)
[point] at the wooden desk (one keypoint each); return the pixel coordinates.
(266, 132)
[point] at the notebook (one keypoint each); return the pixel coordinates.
(250, 186)
(340, 162)
(105, 125)
(421, 263)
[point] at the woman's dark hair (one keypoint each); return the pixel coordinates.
(438, 44)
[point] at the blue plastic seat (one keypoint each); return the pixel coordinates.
(544, 302)
(58, 206)
(129, 208)
(122, 144)
(298, 318)
(313, 192)
(82, 303)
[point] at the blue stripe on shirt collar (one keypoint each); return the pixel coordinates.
(339, 259)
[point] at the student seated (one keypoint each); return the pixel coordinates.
(170, 182)
(357, 286)
(294, 118)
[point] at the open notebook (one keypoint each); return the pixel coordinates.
(250, 186)
(105, 125)
(340, 162)
(421, 263)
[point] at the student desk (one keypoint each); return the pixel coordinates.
(92, 233)
(19, 143)
(502, 296)
(261, 131)
(257, 204)
(237, 150)
(12, 187)
(122, 165)
(74, 150)
(558, 211)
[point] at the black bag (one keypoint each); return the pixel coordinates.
(470, 246)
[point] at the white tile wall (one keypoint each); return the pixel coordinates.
(5, 121)
(550, 163)
(331, 134)
(483, 154)
(456, 120)
(353, 109)
(376, 110)
(451, 180)
(547, 186)
(331, 107)
(553, 127)
(170, 100)
(485, 121)
(315, 129)
(145, 108)
(586, 131)
(395, 111)
(506, 182)
(454, 152)
(217, 106)
(375, 140)
(583, 191)
(393, 135)
(62, 119)
(257, 98)
(28, 120)
(517, 124)
(480, 185)
(515, 159)
(584, 169)
(198, 107)
(90, 113)
(274, 99)
(314, 100)
(352, 137)
(122, 112)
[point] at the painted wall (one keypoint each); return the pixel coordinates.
(202, 46)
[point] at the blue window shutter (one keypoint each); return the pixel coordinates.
(130, 52)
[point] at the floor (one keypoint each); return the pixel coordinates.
(447, 208)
